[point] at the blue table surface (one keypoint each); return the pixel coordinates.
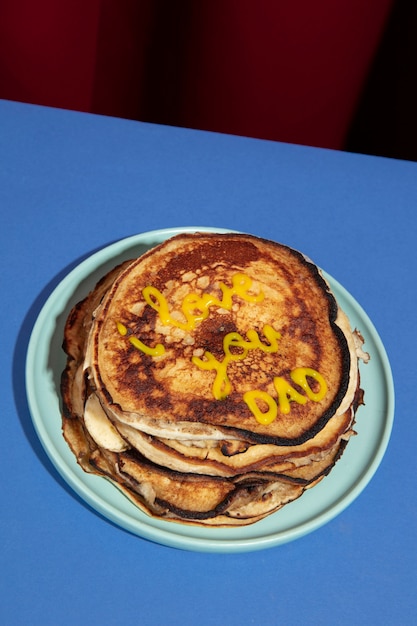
(71, 183)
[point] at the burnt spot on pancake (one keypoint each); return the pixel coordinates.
(209, 335)
(214, 252)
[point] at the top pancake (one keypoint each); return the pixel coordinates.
(257, 311)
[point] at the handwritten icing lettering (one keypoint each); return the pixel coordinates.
(158, 350)
(263, 417)
(195, 308)
(300, 376)
(286, 394)
(222, 386)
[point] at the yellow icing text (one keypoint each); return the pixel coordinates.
(195, 308)
(235, 348)
(304, 384)
(286, 393)
(263, 417)
(158, 350)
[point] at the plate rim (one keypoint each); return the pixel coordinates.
(144, 529)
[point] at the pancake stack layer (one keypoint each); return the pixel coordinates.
(213, 379)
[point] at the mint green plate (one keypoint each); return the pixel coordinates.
(46, 360)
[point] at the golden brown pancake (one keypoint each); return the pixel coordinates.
(213, 364)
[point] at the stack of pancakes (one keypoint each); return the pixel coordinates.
(213, 379)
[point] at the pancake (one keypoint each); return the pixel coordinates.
(213, 379)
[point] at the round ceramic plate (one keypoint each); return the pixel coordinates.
(46, 360)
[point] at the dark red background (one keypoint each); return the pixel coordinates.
(288, 71)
